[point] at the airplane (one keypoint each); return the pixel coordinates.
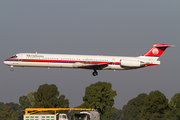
(91, 62)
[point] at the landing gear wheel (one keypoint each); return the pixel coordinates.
(95, 73)
(12, 69)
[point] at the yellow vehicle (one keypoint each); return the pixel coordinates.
(34, 113)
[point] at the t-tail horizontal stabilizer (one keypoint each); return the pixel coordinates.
(157, 49)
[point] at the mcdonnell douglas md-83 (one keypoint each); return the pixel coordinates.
(92, 62)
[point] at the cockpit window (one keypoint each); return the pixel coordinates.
(80, 117)
(64, 116)
(14, 56)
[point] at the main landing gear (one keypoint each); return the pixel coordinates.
(95, 73)
(12, 69)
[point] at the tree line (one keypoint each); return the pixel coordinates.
(99, 96)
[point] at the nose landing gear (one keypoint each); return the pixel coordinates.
(12, 69)
(95, 73)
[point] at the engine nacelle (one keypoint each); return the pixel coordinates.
(131, 63)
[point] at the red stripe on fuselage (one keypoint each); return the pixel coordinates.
(63, 61)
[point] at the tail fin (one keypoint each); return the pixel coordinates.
(157, 50)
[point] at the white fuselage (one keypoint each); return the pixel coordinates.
(78, 61)
(92, 62)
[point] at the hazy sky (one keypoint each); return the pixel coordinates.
(91, 27)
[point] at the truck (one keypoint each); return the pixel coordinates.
(46, 117)
(87, 115)
(44, 114)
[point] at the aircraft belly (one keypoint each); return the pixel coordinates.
(114, 67)
(43, 64)
(32, 64)
(117, 67)
(61, 65)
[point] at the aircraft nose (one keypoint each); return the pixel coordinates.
(6, 62)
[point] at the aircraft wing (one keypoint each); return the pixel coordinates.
(96, 66)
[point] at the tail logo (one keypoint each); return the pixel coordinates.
(155, 51)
